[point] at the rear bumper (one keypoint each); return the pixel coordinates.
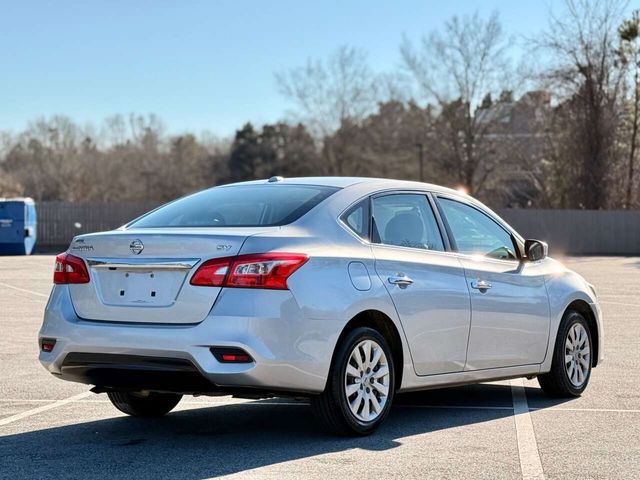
(292, 353)
(124, 372)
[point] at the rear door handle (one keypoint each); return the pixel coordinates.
(481, 285)
(401, 280)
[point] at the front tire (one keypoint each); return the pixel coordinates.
(360, 387)
(149, 404)
(571, 364)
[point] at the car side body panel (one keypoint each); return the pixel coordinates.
(565, 287)
(292, 334)
(510, 319)
(434, 309)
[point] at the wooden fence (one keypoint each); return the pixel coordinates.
(575, 232)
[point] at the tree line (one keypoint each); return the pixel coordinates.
(557, 129)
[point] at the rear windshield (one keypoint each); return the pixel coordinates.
(238, 206)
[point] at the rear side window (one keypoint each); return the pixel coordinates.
(357, 219)
(238, 206)
(406, 220)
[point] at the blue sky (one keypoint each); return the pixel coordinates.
(199, 64)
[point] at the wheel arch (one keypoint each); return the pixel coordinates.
(382, 323)
(585, 310)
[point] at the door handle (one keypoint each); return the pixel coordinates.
(481, 285)
(401, 280)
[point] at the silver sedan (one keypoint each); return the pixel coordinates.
(343, 290)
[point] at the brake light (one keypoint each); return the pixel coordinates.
(262, 270)
(212, 272)
(268, 270)
(70, 269)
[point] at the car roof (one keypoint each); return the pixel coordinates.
(368, 185)
(27, 200)
(344, 182)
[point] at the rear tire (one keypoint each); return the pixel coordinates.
(571, 364)
(150, 404)
(360, 386)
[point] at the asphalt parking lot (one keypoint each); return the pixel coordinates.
(50, 428)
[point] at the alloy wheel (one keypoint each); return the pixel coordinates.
(366, 381)
(577, 355)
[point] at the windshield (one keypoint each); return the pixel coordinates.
(238, 206)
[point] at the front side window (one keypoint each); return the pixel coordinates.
(475, 233)
(238, 206)
(405, 220)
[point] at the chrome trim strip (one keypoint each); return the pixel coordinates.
(143, 263)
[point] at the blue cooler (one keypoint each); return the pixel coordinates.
(17, 226)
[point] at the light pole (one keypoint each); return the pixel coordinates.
(420, 146)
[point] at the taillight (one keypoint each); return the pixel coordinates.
(70, 269)
(262, 270)
(212, 272)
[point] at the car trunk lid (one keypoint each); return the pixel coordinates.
(142, 276)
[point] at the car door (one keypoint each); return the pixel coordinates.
(427, 285)
(509, 304)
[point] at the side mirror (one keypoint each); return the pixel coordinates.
(535, 250)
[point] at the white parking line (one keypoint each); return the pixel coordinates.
(530, 463)
(595, 410)
(44, 408)
(24, 290)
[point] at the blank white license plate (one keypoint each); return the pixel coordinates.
(144, 288)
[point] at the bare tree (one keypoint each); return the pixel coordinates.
(388, 142)
(6, 141)
(455, 69)
(330, 96)
(581, 47)
(629, 53)
(328, 93)
(132, 160)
